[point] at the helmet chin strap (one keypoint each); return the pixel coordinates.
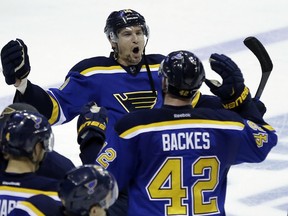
(115, 50)
(149, 71)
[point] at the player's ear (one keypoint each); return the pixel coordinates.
(97, 211)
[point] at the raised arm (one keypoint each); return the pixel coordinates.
(16, 68)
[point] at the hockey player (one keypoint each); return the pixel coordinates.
(125, 81)
(85, 190)
(25, 139)
(54, 165)
(175, 159)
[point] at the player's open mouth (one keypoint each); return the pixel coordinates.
(135, 50)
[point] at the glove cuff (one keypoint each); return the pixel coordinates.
(22, 86)
(239, 100)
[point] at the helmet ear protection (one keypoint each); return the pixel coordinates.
(184, 72)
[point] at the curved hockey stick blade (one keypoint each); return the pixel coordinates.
(264, 59)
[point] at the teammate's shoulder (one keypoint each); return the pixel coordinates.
(55, 165)
(166, 114)
(136, 118)
(99, 61)
(219, 114)
(42, 203)
(208, 101)
(41, 198)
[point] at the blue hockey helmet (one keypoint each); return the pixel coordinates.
(124, 18)
(22, 130)
(12, 108)
(184, 72)
(86, 186)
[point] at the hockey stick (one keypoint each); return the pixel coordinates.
(264, 59)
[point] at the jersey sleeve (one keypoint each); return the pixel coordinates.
(37, 97)
(256, 142)
(120, 158)
(68, 100)
(61, 105)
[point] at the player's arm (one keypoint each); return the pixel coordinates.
(91, 127)
(253, 143)
(258, 138)
(234, 94)
(16, 68)
(37, 97)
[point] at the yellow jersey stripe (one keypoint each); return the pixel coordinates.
(55, 112)
(180, 124)
(29, 208)
(196, 99)
(111, 69)
(26, 192)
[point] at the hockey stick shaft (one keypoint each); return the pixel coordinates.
(264, 59)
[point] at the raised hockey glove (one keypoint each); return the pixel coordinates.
(15, 61)
(232, 91)
(91, 123)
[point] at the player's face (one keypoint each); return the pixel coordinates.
(131, 41)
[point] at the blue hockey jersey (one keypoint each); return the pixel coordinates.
(17, 187)
(100, 79)
(39, 205)
(119, 89)
(175, 160)
(54, 165)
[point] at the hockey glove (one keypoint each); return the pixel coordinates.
(91, 123)
(232, 91)
(15, 61)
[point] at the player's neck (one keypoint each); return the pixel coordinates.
(20, 166)
(174, 101)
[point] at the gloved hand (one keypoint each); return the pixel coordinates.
(91, 123)
(232, 91)
(15, 61)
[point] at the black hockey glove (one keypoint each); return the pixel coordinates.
(91, 123)
(232, 91)
(91, 126)
(15, 61)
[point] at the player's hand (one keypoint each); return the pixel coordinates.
(91, 123)
(15, 61)
(232, 91)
